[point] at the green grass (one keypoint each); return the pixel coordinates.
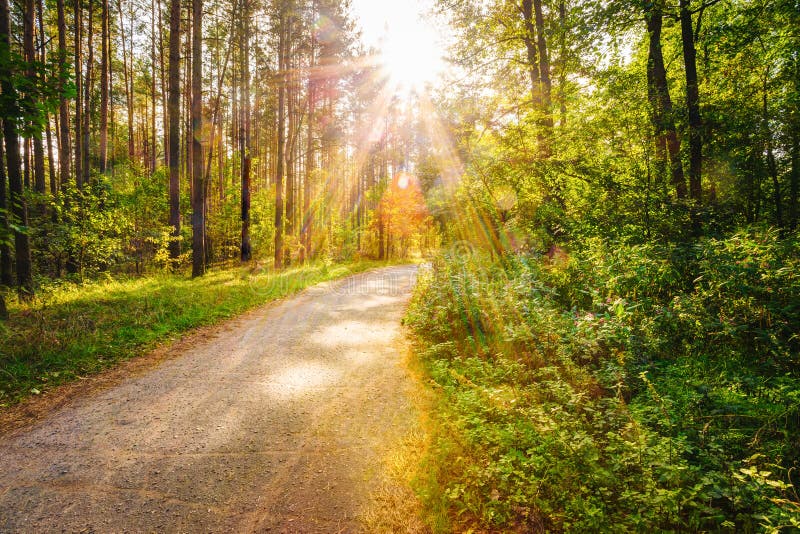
(75, 330)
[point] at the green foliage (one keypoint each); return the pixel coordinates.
(622, 388)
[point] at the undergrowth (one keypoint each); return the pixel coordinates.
(616, 389)
(73, 330)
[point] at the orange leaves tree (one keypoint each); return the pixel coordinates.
(401, 216)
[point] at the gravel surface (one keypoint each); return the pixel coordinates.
(278, 423)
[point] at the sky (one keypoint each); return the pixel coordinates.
(412, 44)
(403, 17)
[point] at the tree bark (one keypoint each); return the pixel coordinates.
(78, 93)
(544, 63)
(174, 112)
(88, 101)
(10, 109)
(127, 75)
(104, 86)
(246, 251)
(306, 230)
(6, 265)
(772, 166)
(43, 56)
(153, 138)
(692, 103)
(281, 142)
(530, 48)
(198, 189)
(64, 148)
(29, 44)
(667, 141)
(291, 113)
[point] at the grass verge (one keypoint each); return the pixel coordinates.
(73, 331)
(396, 504)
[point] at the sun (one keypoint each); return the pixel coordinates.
(412, 59)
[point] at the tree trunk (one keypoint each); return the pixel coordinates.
(692, 103)
(658, 91)
(162, 74)
(10, 108)
(794, 178)
(104, 86)
(78, 5)
(128, 82)
(153, 139)
(43, 57)
(306, 231)
(29, 43)
(246, 252)
(6, 267)
(174, 112)
(544, 63)
(64, 144)
(89, 109)
(198, 190)
(794, 151)
(772, 166)
(281, 142)
(530, 48)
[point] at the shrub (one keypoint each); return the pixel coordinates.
(630, 387)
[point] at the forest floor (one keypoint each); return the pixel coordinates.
(280, 420)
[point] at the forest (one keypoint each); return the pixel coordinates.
(152, 136)
(604, 195)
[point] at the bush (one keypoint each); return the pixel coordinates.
(628, 388)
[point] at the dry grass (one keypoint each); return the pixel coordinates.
(395, 505)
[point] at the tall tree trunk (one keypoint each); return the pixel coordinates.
(562, 76)
(794, 178)
(153, 139)
(290, 136)
(532, 56)
(104, 86)
(692, 103)
(29, 17)
(89, 105)
(64, 148)
(198, 189)
(658, 91)
(78, 12)
(281, 156)
(162, 73)
(6, 266)
(78, 58)
(306, 231)
(187, 104)
(246, 252)
(772, 166)
(43, 57)
(544, 63)
(128, 75)
(174, 108)
(10, 110)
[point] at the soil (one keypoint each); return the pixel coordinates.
(274, 422)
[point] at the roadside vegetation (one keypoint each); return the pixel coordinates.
(74, 330)
(615, 387)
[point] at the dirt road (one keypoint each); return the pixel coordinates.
(277, 424)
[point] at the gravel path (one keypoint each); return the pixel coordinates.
(277, 424)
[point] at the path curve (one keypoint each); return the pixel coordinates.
(277, 424)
